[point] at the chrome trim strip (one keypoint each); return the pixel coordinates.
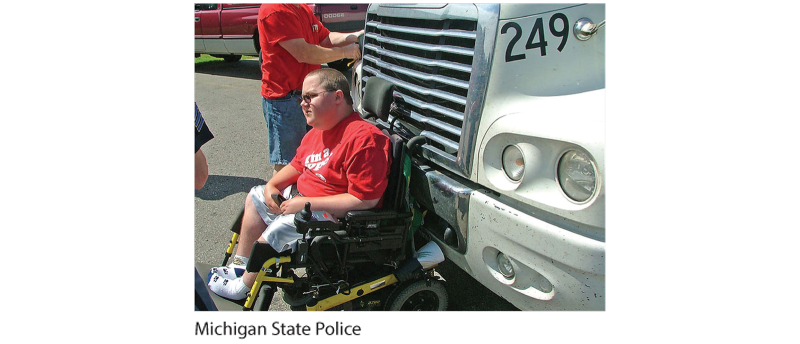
(422, 46)
(419, 75)
(240, 7)
(424, 32)
(225, 37)
(451, 200)
(419, 60)
(488, 19)
(415, 88)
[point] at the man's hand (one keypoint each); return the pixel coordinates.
(352, 52)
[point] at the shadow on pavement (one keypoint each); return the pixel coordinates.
(247, 69)
(218, 187)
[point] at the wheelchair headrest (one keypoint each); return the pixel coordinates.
(378, 97)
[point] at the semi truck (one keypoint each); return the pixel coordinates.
(509, 100)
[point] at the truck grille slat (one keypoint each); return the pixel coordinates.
(430, 62)
(422, 31)
(421, 46)
(436, 123)
(422, 105)
(425, 106)
(419, 75)
(452, 146)
(418, 60)
(418, 89)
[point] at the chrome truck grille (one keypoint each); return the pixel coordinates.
(430, 61)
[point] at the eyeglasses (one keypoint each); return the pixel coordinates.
(309, 96)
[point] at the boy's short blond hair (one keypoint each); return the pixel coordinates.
(332, 80)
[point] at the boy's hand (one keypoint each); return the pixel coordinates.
(293, 205)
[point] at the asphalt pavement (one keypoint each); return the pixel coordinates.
(229, 97)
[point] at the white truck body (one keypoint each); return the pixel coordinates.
(478, 79)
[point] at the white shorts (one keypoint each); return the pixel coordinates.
(280, 233)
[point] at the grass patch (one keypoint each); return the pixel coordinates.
(205, 58)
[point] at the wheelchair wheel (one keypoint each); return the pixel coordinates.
(264, 299)
(296, 299)
(418, 296)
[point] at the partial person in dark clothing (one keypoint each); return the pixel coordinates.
(201, 135)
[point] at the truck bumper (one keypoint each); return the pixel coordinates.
(554, 269)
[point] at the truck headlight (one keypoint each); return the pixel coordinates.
(577, 176)
(513, 163)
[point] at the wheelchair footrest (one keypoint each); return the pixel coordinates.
(260, 253)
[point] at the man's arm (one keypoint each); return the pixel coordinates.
(339, 39)
(304, 52)
(337, 205)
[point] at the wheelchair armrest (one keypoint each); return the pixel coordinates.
(375, 215)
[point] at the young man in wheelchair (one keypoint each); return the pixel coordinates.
(341, 165)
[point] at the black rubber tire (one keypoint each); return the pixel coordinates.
(264, 299)
(418, 296)
(232, 58)
(296, 301)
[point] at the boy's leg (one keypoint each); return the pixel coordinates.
(254, 222)
(280, 233)
(252, 226)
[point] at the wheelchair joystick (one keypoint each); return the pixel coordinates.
(306, 212)
(302, 219)
(301, 224)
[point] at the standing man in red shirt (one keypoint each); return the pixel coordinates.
(293, 43)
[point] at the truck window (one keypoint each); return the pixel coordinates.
(205, 7)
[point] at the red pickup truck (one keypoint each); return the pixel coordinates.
(229, 31)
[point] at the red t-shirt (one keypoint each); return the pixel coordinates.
(352, 157)
(280, 71)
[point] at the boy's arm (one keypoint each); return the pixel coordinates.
(337, 205)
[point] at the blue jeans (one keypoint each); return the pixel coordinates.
(286, 126)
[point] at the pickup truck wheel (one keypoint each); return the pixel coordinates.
(340, 65)
(232, 58)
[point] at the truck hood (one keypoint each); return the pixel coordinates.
(507, 10)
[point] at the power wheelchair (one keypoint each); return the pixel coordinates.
(365, 261)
